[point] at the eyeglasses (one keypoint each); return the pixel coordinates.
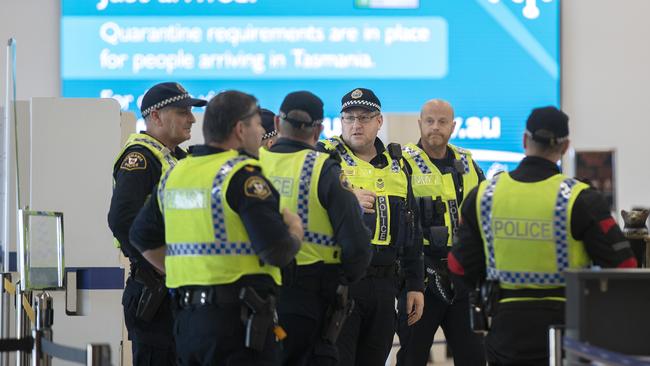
(362, 118)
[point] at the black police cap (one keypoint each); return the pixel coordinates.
(166, 95)
(361, 98)
(268, 122)
(548, 125)
(302, 101)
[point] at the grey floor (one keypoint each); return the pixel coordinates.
(438, 353)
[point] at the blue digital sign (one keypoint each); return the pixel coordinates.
(494, 60)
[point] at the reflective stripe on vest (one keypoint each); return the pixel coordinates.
(560, 235)
(163, 150)
(303, 202)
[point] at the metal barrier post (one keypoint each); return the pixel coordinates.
(43, 328)
(36, 351)
(98, 355)
(5, 300)
(555, 345)
(22, 323)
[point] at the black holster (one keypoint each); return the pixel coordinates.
(483, 302)
(336, 315)
(406, 229)
(153, 293)
(258, 315)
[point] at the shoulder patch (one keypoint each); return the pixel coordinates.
(345, 183)
(134, 161)
(257, 187)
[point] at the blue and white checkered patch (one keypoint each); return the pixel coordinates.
(198, 249)
(164, 151)
(560, 222)
(342, 152)
(161, 189)
(304, 185)
(320, 239)
(395, 168)
(422, 165)
(303, 201)
(486, 222)
(465, 161)
(218, 216)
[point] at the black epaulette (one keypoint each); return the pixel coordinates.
(394, 150)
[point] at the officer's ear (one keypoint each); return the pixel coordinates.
(276, 122)
(565, 146)
(380, 118)
(317, 132)
(238, 130)
(154, 118)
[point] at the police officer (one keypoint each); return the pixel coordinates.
(383, 189)
(214, 226)
(442, 176)
(270, 132)
(335, 250)
(166, 109)
(533, 223)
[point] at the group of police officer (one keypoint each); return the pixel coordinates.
(278, 248)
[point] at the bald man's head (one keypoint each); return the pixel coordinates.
(436, 124)
(437, 106)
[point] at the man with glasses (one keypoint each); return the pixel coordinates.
(442, 176)
(214, 227)
(382, 185)
(167, 112)
(336, 248)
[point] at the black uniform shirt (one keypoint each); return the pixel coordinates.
(259, 212)
(411, 257)
(135, 174)
(343, 211)
(591, 222)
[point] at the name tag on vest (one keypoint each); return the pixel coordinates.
(186, 199)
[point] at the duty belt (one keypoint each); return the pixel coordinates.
(382, 271)
(531, 293)
(207, 295)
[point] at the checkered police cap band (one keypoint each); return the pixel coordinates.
(269, 135)
(164, 103)
(360, 102)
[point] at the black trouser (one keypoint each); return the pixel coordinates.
(214, 334)
(302, 309)
(367, 336)
(416, 341)
(519, 332)
(152, 343)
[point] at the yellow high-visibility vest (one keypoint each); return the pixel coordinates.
(207, 243)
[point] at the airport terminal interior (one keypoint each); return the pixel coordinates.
(480, 165)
